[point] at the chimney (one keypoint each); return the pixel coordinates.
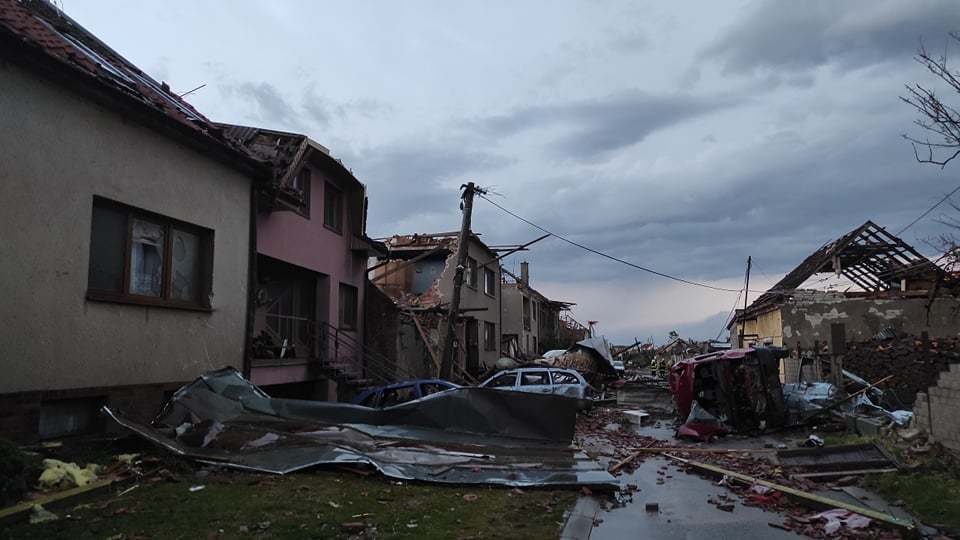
(525, 273)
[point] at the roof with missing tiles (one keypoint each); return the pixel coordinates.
(39, 27)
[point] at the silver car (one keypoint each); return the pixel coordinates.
(564, 382)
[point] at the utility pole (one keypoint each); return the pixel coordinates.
(746, 295)
(449, 352)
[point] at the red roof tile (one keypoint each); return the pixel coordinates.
(42, 26)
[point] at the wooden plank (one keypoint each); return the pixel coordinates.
(833, 474)
(13, 512)
(426, 342)
(803, 496)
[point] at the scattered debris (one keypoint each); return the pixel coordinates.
(194, 489)
(39, 514)
(842, 518)
(58, 474)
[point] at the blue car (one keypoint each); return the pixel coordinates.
(402, 392)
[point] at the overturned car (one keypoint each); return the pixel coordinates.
(737, 390)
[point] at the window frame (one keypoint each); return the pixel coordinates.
(472, 280)
(348, 325)
(493, 282)
(205, 238)
(328, 189)
(503, 375)
(289, 192)
(543, 373)
(489, 341)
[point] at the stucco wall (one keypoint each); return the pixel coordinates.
(471, 298)
(58, 150)
(306, 242)
(512, 312)
(808, 317)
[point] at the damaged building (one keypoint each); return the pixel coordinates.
(415, 283)
(312, 251)
(127, 231)
(882, 287)
(532, 323)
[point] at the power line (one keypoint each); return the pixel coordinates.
(726, 321)
(931, 209)
(611, 257)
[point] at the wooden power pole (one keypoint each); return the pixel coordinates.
(746, 295)
(449, 351)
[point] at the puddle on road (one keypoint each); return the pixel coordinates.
(683, 510)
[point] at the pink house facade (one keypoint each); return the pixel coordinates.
(312, 253)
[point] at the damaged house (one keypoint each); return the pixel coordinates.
(531, 322)
(415, 282)
(312, 253)
(883, 287)
(127, 231)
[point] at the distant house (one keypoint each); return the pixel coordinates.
(312, 253)
(885, 287)
(127, 231)
(532, 323)
(417, 277)
(675, 350)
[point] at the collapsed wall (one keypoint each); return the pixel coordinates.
(937, 411)
(915, 364)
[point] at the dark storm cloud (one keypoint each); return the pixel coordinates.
(594, 128)
(269, 104)
(778, 35)
(322, 110)
(417, 178)
(778, 212)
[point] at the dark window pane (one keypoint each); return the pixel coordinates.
(348, 306)
(185, 263)
(107, 244)
(332, 208)
(504, 380)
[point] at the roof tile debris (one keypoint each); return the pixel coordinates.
(870, 257)
(44, 28)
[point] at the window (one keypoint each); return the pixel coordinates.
(534, 378)
(333, 208)
(432, 388)
(348, 307)
(562, 377)
(489, 282)
(471, 277)
(535, 349)
(489, 336)
(140, 257)
(298, 191)
(526, 314)
(504, 380)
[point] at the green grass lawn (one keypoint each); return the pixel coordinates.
(932, 497)
(307, 505)
(931, 491)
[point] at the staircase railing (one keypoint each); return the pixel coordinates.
(337, 351)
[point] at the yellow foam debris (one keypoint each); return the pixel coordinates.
(58, 473)
(126, 459)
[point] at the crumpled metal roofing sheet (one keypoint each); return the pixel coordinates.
(461, 436)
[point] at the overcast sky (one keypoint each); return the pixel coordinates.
(681, 136)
